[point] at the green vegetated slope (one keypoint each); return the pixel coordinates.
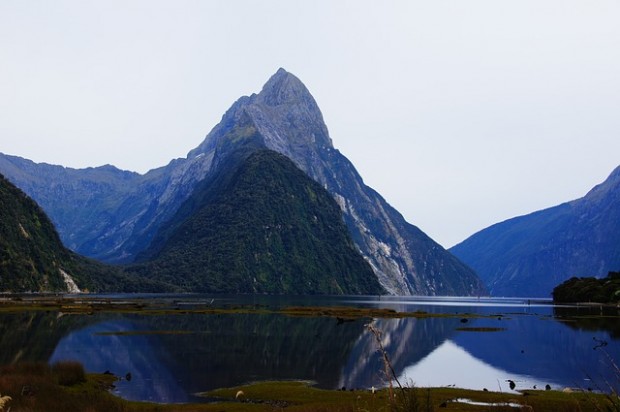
(33, 258)
(259, 226)
(31, 253)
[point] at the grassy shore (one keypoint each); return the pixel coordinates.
(89, 305)
(65, 387)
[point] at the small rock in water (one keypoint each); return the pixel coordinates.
(128, 376)
(464, 320)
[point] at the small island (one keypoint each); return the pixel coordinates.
(589, 290)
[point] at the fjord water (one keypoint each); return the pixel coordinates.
(470, 343)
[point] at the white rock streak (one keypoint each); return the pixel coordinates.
(72, 287)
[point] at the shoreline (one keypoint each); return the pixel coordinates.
(57, 388)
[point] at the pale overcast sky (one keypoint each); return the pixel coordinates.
(460, 113)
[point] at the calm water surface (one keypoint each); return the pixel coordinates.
(171, 357)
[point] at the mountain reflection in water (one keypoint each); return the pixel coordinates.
(202, 352)
(481, 344)
(111, 346)
(462, 370)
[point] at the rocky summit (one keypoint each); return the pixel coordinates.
(126, 211)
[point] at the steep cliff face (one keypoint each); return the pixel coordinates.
(405, 260)
(530, 255)
(127, 210)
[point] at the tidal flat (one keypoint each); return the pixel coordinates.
(197, 352)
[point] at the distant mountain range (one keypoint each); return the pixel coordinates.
(118, 217)
(530, 255)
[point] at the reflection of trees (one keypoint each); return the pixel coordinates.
(210, 351)
(116, 345)
(230, 349)
(591, 318)
(32, 336)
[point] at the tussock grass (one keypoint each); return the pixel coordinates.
(69, 373)
(61, 387)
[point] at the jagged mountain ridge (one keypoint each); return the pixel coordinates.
(285, 116)
(260, 225)
(530, 255)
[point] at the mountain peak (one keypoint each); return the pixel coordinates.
(284, 88)
(284, 113)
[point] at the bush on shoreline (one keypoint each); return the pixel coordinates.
(582, 290)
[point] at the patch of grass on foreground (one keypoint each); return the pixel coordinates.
(65, 387)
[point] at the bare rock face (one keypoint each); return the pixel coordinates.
(128, 210)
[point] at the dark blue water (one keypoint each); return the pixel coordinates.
(482, 344)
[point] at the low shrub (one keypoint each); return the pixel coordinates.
(68, 373)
